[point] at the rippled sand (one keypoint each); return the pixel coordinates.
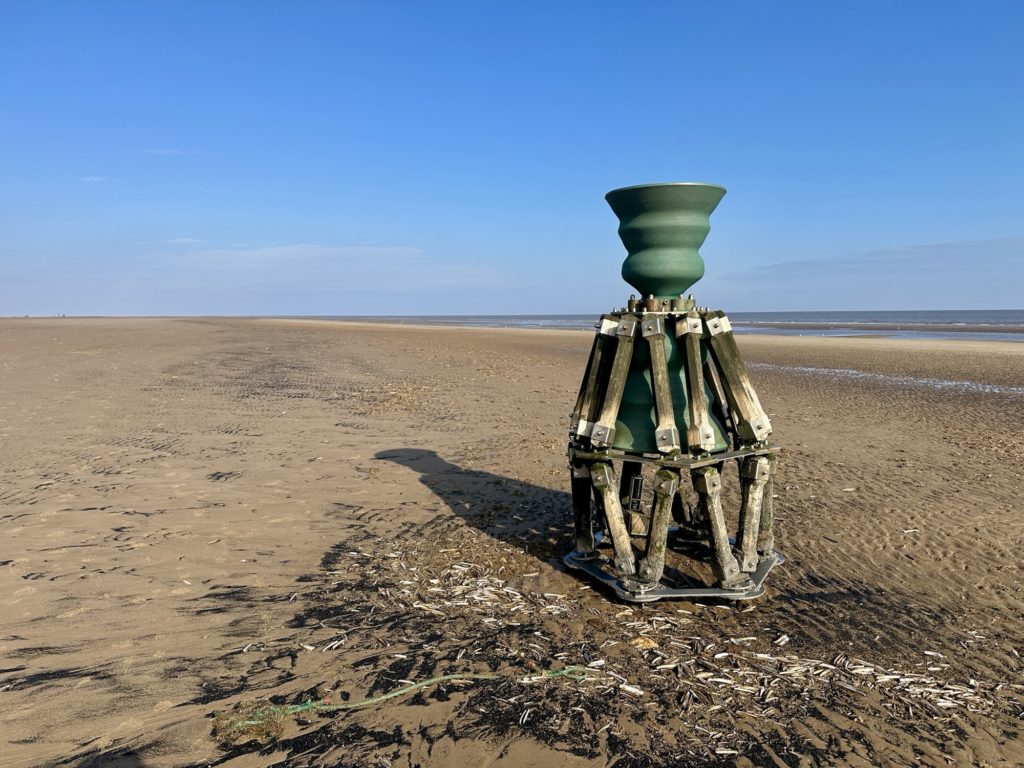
(197, 514)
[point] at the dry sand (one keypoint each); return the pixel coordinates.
(199, 514)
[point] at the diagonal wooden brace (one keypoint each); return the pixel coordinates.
(652, 566)
(603, 432)
(753, 423)
(753, 478)
(765, 533)
(583, 516)
(603, 477)
(588, 399)
(708, 484)
(589, 374)
(720, 404)
(666, 433)
(700, 438)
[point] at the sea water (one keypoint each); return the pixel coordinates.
(978, 324)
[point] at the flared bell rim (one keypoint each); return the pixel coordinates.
(658, 184)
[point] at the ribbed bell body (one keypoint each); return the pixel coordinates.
(662, 226)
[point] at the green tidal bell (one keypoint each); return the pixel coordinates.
(662, 226)
(665, 404)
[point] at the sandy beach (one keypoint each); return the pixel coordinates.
(201, 514)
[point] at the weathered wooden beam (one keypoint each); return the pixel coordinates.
(753, 478)
(720, 404)
(582, 507)
(766, 533)
(603, 478)
(588, 372)
(652, 565)
(708, 484)
(753, 423)
(603, 432)
(590, 394)
(700, 438)
(666, 433)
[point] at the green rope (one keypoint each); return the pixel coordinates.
(312, 705)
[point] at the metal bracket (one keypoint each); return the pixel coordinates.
(694, 325)
(717, 325)
(609, 325)
(626, 326)
(707, 482)
(580, 470)
(653, 326)
(759, 429)
(667, 437)
(755, 470)
(582, 428)
(601, 434)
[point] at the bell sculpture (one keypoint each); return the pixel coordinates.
(665, 399)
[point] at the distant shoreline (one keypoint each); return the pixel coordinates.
(876, 326)
(976, 325)
(1012, 330)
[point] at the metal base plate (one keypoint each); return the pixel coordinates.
(599, 567)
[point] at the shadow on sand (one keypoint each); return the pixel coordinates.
(533, 518)
(113, 758)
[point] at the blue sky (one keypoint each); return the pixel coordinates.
(452, 157)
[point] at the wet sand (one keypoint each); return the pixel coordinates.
(198, 514)
(867, 326)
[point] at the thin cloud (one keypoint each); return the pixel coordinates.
(164, 152)
(954, 256)
(311, 269)
(949, 275)
(92, 179)
(183, 241)
(307, 253)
